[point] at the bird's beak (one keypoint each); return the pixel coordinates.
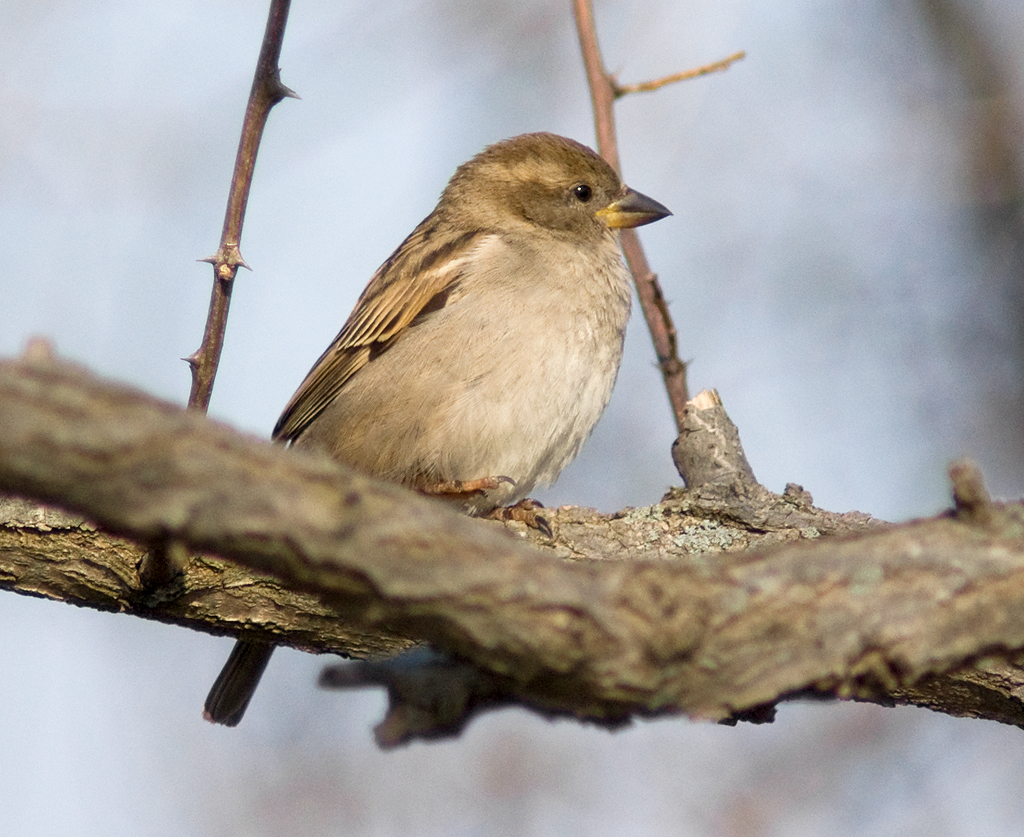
(632, 210)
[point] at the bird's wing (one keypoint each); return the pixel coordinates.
(416, 280)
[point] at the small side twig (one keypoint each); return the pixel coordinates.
(603, 92)
(267, 91)
(648, 86)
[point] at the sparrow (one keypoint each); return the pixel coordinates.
(482, 352)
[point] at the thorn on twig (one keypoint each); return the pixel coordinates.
(285, 92)
(226, 262)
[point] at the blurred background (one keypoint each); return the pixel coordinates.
(844, 265)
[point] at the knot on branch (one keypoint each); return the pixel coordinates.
(708, 448)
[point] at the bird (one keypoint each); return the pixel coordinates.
(482, 352)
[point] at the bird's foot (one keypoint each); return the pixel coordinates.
(456, 489)
(525, 511)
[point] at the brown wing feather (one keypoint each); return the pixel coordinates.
(414, 278)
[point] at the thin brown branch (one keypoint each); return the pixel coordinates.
(267, 90)
(649, 86)
(652, 300)
(602, 89)
(898, 613)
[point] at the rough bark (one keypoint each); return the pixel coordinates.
(716, 602)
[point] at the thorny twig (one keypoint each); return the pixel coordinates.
(603, 92)
(266, 92)
(160, 564)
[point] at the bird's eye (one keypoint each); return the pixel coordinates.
(582, 192)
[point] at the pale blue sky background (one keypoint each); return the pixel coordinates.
(830, 267)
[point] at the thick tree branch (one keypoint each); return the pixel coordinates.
(907, 613)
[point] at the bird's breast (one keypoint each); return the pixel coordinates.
(507, 379)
